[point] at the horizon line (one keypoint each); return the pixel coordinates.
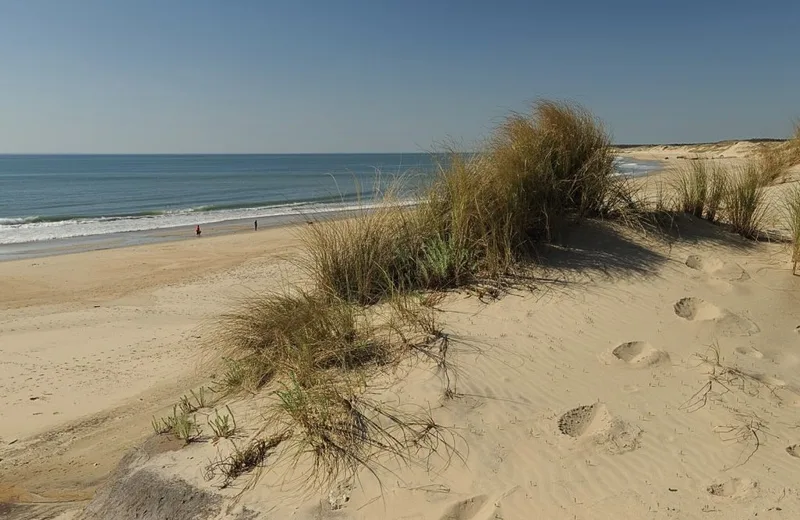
(613, 145)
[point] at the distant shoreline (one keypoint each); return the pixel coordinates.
(121, 239)
(72, 245)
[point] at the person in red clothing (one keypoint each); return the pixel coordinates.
(197, 230)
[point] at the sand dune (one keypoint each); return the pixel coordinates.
(639, 378)
(720, 150)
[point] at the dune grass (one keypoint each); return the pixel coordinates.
(317, 352)
(299, 332)
(340, 430)
(745, 206)
(372, 276)
(481, 215)
(794, 145)
(691, 187)
(775, 160)
(699, 188)
(792, 208)
(715, 192)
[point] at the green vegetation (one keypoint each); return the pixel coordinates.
(370, 304)
(180, 424)
(481, 215)
(374, 278)
(223, 426)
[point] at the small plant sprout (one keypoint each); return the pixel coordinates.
(223, 426)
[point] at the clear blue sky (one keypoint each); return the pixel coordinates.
(135, 76)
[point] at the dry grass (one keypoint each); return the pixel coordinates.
(699, 188)
(318, 351)
(794, 145)
(750, 430)
(792, 208)
(724, 378)
(691, 187)
(480, 216)
(301, 333)
(342, 431)
(745, 207)
(774, 161)
(474, 225)
(715, 194)
(242, 460)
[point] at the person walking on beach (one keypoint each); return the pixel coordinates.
(255, 225)
(197, 230)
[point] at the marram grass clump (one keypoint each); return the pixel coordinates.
(792, 209)
(297, 332)
(371, 277)
(699, 188)
(480, 216)
(745, 206)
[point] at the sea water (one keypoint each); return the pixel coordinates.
(50, 197)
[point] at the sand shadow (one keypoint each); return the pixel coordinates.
(597, 249)
(685, 229)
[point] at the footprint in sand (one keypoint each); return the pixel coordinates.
(750, 351)
(794, 450)
(596, 424)
(640, 354)
(726, 322)
(717, 268)
(466, 509)
(733, 488)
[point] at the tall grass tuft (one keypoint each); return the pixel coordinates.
(745, 206)
(691, 187)
(699, 188)
(480, 217)
(318, 351)
(343, 432)
(715, 191)
(792, 208)
(302, 333)
(481, 214)
(794, 145)
(775, 160)
(363, 258)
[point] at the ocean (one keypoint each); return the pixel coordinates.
(52, 197)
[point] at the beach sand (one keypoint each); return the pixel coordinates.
(93, 344)
(640, 377)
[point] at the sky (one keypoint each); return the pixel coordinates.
(240, 76)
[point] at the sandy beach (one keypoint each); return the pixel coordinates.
(93, 344)
(641, 376)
